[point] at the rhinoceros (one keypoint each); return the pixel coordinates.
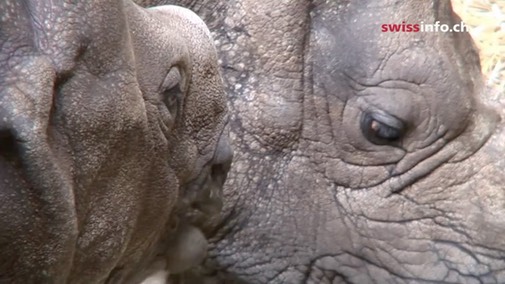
(361, 156)
(113, 140)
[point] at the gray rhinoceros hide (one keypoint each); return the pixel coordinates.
(113, 145)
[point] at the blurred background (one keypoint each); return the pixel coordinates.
(486, 22)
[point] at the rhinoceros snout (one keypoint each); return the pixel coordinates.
(202, 198)
(222, 160)
(201, 205)
(210, 198)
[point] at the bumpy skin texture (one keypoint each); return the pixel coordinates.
(310, 198)
(112, 130)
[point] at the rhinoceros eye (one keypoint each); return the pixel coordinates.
(172, 93)
(172, 98)
(381, 128)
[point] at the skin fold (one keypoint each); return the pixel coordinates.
(360, 156)
(113, 140)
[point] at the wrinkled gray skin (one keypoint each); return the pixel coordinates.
(113, 146)
(310, 199)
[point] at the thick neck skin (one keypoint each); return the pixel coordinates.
(315, 194)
